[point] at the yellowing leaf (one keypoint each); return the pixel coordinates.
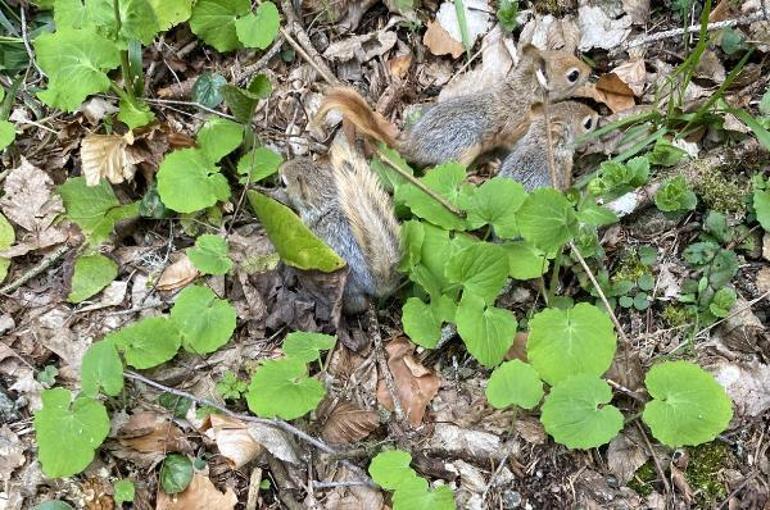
(107, 156)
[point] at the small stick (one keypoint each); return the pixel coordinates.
(733, 314)
(251, 69)
(666, 34)
(41, 266)
(658, 467)
(254, 481)
(631, 393)
(379, 351)
(306, 49)
(420, 185)
(27, 46)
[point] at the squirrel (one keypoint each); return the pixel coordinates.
(528, 161)
(342, 202)
(464, 127)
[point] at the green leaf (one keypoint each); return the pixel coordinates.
(230, 387)
(507, 12)
(205, 322)
(547, 220)
(135, 114)
(210, 255)
(445, 180)
(428, 249)
(258, 164)
(68, 432)
(94, 208)
(7, 238)
(762, 207)
(421, 324)
(7, 133)
(176, 473)
(214, 22)
(495, 202)
(415, 495)
(688, 408)
(579, 340)
(732, 41)
(596, 215)
(675, 195)
(137, 19)
(665, 154)
(306, 346)
(92, 274)
(208, 89)
(574, 414)
(295, 243)
(764, 103)
(762, 134)
(281, 388)
(101, 369)
(481, 268)
(171, 12)
(488, 332)
(390, 469)
(219, 137)
(242, 102)
(525, 261)
(76, 62)
(69, 14)
(188, 181)
(722, 302)
(53, 505)
(514, 383)
(260, 29)
(147, 343)
(124, 491)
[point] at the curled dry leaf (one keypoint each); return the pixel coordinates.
(551, 33)
(614, 92)
(361, 48)
(626, 454)
(151, 433)
(277, 442)
(440, 42)
(599, 30)
(233, 440)
(633, 74)
(201, 494)
(178, 274)
(347, 423)
(109, 157)
(416, 384)
(454, 441)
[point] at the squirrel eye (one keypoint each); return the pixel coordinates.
(573, 75)
(588, 123)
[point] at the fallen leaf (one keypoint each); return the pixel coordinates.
(598, 30)
(742, 329)
(108, 157)
(151, 433)
(453, 441)
(416, 385)
(633, 74)
(361, 48)
(201, 494)
(680, 482)
(27, 385)
(747, 385)
(614, 92)
(551, 33)
(96, 108)
(763, 281)
(440, 42)
(626, 454)
(477, 19)
(276, 441)
(531, 430)
(519, 348)
(11, 452)
(639, 10)
(178, 274)
(233, 440)
(400, 65)
(347, 423)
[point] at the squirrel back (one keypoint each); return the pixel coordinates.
(528, 161)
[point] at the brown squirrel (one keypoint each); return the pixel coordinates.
(528, 161)
(342, 202)
(464, 127)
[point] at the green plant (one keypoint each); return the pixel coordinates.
(507, 12)
(124, 491)
(675, 195)
(230, 387)
(176, 473)
(705, 295)
(390, 470)
(210, 255)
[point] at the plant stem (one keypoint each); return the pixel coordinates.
(124, 67)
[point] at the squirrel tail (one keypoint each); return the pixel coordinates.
(354, 108)
(370, 212)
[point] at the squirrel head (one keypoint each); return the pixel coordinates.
(309, 185)
(572, 120)
(558, 72)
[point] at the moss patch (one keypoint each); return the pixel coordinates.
(704, 472)
(723, 191)
(641, 483)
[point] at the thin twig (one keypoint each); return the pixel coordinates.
(738, 489)
(41, 266)
(420, 185)
(655, 460)
(379, 351)
(305, 46)
(280, 424)
(334, 485)
(666, 34)
(28, 46)
(631, 393)
(733, 314)
(549, 145)
(251, 69)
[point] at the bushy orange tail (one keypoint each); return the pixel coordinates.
(354, 109)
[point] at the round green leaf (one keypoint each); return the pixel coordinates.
(7, 133)
(210, 255)
(574, 414)
(420, 324)
(124, 491)
(68, 432)
(306, 346)
(547, 220)
(147, 343)
(92, 274)
(171, 12)
(514, 383)
(282, 388)
(205, 322)
(488, 332)
(208, 89)
(390, 468)
(188, 181)
(496, 202)
(137, 20)
(415, 495)
(525, 261)
(259, 30)
(688, 408)
(481, 268)
(135, 114)
(445, 180)
(176, 473)
(219, 137)
(214, 22)
(258, 164)
(579, 340)
(101, 368)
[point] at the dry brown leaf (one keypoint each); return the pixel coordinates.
(178, 274)
(279, 443)
(416, 385)
(233, 440)
(680, 482)
(747, 385)
(614, 92)
(361, 48)
(531, 430)
(148, 432)
(763, 280)
(347, 423)
(633, 74)
(109, 157)
(96, 108)
(201, 494)
(547, 32)
(29, 200)
(400, 65)
(519, 348)
(440, 42)
(11, 452)
(626, 454)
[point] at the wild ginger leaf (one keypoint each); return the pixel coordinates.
(496, 202)
(205, 322)
(188, 181)
(219, 137)
(124, 491)
(514, 383)
(68, 432)
(295, 243)
(481, 268)
(307, 346)
(214, 22)
(688, 408)
(487, 332)
(92, 274)
(416, 495)
(135, 114)
(137, 19)
(390, 469)
(422, 322)
(147, 343)
(171, 12)
(547, 220)
(258, 30)
(444, 180)
(210, 255)
(281, 388)
(76, 62)
(7, 133)
(101, 369)
(525, 261)
(258, 163)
